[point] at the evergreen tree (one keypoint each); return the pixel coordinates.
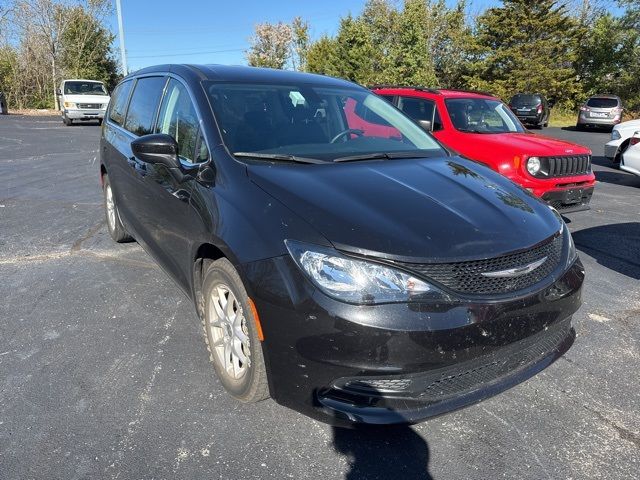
(526, 46)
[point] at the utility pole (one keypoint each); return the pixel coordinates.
(123, 55)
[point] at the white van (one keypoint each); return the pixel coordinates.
(82, 100)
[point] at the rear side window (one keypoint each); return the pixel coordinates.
(144, 105)
(599, 102)
(119, 102)
(179, 119)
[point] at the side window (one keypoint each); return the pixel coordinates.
(388, 98)
(178, 118)
(417, 108)
(144, 105)
(437, 123)
(119, 101)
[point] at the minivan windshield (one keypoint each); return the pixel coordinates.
(524, 100)
(309, 122)
(482, 115)
(602, 102)
(84, 88)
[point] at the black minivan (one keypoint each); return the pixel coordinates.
(340, 259)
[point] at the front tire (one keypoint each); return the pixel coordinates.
(114, 224)
(67, 121)
(232, 335)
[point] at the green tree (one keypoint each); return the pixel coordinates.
(86, 47)
(526, 46)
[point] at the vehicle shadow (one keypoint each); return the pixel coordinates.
(616, 246)
(383, 452)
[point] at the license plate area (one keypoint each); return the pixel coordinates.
(598, 114)
(572, 196)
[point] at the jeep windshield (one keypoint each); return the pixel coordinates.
(482, 115)
(84, 88)
(306, 122)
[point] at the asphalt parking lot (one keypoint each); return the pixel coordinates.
(104, 372)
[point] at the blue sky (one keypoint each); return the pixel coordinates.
(201, 31)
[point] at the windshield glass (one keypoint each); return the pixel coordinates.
(524, 100)
(599, 102)
(482, 115)
(84, 88)
(311, 121)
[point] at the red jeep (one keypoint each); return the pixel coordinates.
(480, 127)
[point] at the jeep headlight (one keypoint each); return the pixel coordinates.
(359, 281)
(533, 165)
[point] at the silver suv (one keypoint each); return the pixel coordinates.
(600, 111)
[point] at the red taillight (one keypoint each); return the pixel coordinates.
(634, 140)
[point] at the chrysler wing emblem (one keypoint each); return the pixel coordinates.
(517, 271)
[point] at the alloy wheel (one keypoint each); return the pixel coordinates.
(228, 332)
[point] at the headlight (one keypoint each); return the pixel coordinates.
(103, 106)
(533, 165)
(615, 134)
(573, 253)
(69, 105)
(358, 281)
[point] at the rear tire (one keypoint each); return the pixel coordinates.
(231, 334)
(114, 224)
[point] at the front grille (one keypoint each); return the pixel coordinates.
(564, 166)
(467, 278)
(89, 106)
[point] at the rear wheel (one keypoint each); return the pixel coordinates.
(231, 334)
(114, 224)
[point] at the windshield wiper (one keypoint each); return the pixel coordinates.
(281, 157)
(381, 155)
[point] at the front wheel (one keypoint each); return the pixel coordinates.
(67, 121)
(231, 333)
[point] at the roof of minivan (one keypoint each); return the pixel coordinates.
(237, 73)
(81, 80)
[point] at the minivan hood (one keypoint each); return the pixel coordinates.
(411, 210)
(87, 98)
(527, 144)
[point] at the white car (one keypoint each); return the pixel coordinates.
(631, 157)
(620, 136)
(82, 100)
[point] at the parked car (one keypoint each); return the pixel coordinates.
(531, 109)
(479, 126)
(600, 111)
(82, 100)
(4, 110)
(630, 161)
(620, 138)
(355, 277)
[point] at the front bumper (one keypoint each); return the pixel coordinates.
(344, 363)
(567, 200)
(611, 148)
(75, 114)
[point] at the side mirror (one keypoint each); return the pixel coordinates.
(157, 148)
(58, 92)
(426, 125)
(551, 103)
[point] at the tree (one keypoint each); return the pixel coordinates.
(270, 45)
(526, 46)
(299, 43)
(86, 44)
